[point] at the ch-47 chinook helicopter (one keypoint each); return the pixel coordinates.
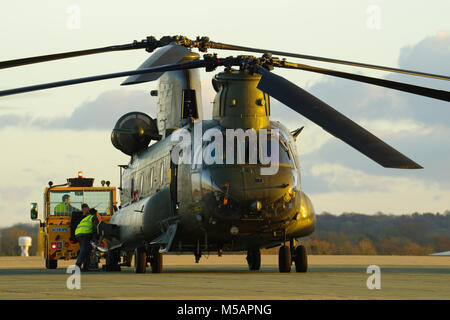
(202, 207)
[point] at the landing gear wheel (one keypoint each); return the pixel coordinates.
(140, 260)
(127, 259)
(51, 264)
(112, 261)
(301, 259)
(284, 259)
(156, 261)
(254, 259)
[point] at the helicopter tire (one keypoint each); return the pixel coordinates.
(284, 259)
(156, 260)
(127, 259)
(140, 260)
(254, 259)
(301, 259)
(51, 264)
(113, 257)
(112, 261)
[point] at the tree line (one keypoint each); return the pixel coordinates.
(9, 245)
(360, 234)
(348, 233)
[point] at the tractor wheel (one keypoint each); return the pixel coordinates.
(51, 264)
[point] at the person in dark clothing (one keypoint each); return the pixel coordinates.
(85, 250)
(75, 219)
(64, 208)
(84, 233)
(85, 209)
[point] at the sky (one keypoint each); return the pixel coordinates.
(52, 134)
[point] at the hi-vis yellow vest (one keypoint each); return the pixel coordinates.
(62, 209)
(85, 226)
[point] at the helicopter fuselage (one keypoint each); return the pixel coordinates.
(230, 207)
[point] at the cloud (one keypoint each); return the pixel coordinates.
(432, 54)
(14, 193)
(431, 150)
(359, 100)
(13, 120)
(103, 112)
(339, 178)
(99, 114)
(418, 127)
(392, 115)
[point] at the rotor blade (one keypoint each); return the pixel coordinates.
(423, 91)
(71, 54)
(217, 45)
(169, 54)
(333, 121)
(186, 65)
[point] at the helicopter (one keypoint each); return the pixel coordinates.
(204, 203)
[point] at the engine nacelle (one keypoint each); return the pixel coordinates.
(133, 132)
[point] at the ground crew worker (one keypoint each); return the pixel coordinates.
(84, 234)
(85, 209)
(64, 208)
(76, 219)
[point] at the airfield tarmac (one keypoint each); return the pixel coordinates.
(227, 277)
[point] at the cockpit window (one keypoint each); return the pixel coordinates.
(284, 153)
(246, 152)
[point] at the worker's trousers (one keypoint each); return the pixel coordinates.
(85, 250)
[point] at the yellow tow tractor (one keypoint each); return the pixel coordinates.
(62, 212)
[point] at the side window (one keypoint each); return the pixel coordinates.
(141, 188)
(151, 178)
(131, 188)
(285, 155)
(162, 172)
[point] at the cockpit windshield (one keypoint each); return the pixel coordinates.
(245, 152)
(64, 203)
